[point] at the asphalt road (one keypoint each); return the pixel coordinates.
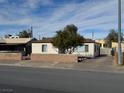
(30, 80)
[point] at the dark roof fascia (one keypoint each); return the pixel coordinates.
(13, 44)
(50, 41)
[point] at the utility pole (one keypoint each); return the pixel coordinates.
(119, 34)
(31, 32)
(92, 35)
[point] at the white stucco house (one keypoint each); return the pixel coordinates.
(89, 48)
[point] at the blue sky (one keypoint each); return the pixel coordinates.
(48, 16)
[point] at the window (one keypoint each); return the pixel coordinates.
(44, 48)
(81, 48)
(86, 48)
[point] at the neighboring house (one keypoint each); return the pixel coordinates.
(115, 45)
(22, 45)
(104, 50)
(101, 42)
(89, 48)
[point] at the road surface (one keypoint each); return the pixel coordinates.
(34, 80)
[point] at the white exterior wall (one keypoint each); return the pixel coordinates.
(37, 48)
(90, 53)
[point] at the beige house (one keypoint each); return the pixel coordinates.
(115, 45)
(89, 48)
(15, 44)
(101, 42)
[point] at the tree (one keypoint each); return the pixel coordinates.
(67, 40)
(112, 37)
(25, 34)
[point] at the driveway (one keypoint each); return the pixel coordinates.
(102, 60)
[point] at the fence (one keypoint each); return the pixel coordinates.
(10, 56)
(54, 58)
(105, 51)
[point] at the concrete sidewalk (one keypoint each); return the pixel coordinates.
(101, 64)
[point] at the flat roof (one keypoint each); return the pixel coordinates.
(14, 40)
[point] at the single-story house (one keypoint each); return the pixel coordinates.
(22, 45)
(115, 45)
(104, 49)
(89, 48)
(102, 43)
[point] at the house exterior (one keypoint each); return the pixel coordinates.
(12, 45)
(115, 46)
(89, 48)
(44, 47)
(104, 49)
(101, 42)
